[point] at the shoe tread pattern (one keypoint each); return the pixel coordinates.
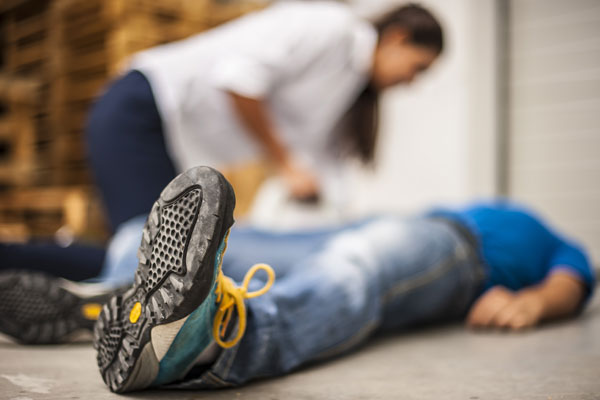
(34, 309)
(168, 246)
(117, 339)
(164, 285)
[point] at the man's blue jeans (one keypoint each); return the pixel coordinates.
(335, 287)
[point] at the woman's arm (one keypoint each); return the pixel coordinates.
(286, 45)
(559, 295)
(255, 116)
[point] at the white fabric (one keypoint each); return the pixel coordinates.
(307, 60)
(274, 209)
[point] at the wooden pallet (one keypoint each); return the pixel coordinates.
(15, 90)
(56, 56)
(9, 5)
(98, 36)
(29, 38)
(26, 145)
(43, 211)
(17, 157)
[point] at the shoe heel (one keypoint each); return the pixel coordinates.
(124, 363)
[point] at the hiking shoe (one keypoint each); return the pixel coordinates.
(180, 303)
(36, 308)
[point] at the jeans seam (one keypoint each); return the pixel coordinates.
(348, 343)
(207, 379)
(460, 253)
(229, 358)
(230, 361)
(220, 368)
(217, 381)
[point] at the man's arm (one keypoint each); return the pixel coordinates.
(559, 295)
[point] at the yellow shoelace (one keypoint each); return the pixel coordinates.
(230, 296)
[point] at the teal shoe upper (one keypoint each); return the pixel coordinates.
(194, 336)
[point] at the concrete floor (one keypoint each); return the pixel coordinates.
(558, 361)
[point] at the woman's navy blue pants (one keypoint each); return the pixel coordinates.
(127, 149)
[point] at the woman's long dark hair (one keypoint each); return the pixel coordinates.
(357, 132)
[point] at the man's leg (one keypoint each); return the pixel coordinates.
(152, 333)
(247, 246)
(388, 273)
(281, 250)
(179, 305)
(121, 254)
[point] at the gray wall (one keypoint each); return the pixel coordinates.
(553, 124)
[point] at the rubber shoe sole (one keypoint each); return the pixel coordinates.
(175, 275)
(36, 308)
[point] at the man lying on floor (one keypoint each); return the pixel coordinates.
(184, 324)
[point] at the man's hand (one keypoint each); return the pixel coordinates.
(558, 296)
(502, 308)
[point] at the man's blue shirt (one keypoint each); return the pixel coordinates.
(518, 248)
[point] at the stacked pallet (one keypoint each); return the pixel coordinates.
(98, 36)
(18, 144)
(32, 203)
(55, 56)
(23, 91)
(71, 212)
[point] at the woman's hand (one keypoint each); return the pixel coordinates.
(303, 185)
(256, 116)
(500, 307)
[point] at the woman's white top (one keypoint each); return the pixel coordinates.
(308, 61)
